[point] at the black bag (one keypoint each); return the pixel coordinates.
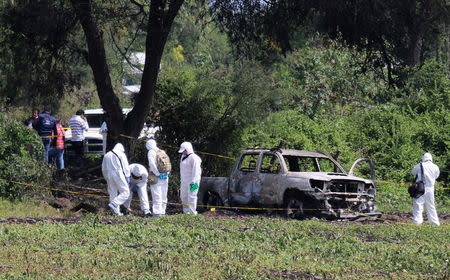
(417, 188)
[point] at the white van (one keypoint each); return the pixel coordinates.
(93, 137)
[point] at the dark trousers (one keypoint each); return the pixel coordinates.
(78, 149)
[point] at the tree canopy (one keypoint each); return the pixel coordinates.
(392, 33)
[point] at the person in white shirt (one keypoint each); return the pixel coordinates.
(430, 174)
(78, 125)
(138, 183)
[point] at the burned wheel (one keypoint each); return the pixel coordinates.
(294, 207)
(211, 200)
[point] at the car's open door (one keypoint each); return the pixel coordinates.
(371, 166)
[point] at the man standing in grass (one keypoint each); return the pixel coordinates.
(161, 171)
(190, 175)
(430, 174)
(116, 171)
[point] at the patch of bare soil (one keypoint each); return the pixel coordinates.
(290, 274)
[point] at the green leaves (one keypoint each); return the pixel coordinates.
(20, 148)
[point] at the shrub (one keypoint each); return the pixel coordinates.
(21, 153)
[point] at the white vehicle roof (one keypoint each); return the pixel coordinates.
(101, 111)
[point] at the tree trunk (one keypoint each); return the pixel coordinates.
(97, 60)
(415, 46)
(159, 24)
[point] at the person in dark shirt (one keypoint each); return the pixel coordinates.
(46, 127)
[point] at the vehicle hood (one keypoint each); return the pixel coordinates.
(326, 177)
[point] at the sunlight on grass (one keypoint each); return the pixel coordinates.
(29, 208)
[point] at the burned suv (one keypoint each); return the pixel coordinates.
(300, 182)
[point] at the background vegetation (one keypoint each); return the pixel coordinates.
(315, 88)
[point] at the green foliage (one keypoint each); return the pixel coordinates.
(20, 148)
(187, 247)
(301, 133)
(39, 53)
(28, 208)
(211, 108)
(323, 81)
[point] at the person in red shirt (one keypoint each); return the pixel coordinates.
(59, 145)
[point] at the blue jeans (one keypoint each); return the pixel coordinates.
(56, 156)
(60, 158)
(46, 141)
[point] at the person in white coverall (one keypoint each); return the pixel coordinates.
(190, 175)
(158, 190)
(116, 171)
(104, 132)
(430, 174)
(138, 183)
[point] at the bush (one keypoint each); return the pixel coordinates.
(20, 148)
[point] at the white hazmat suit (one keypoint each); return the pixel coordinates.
(190, 174)
(138, 179)
(430, 173)
(158, 190)
(116, 171)
(104, 132)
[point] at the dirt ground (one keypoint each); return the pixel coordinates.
(393, 218)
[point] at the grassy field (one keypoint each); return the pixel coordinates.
(218, 247)
(28, 208)
(221, 245)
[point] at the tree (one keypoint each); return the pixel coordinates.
(39, 52)
(391, 32)
(160, 16)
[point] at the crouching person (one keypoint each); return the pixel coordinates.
(116, 171)
(138, 183)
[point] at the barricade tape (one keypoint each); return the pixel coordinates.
(406, 184)
(211, 208)
(231, 158)
(174, 203)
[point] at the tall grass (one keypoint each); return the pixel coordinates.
(202, 247)
(28, 208)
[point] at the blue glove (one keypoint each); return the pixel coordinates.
(127, 179)
(134, 189)
(163, 175)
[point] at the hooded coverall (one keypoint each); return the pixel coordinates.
(116, 170)
(139, 176)
(158, 190)
(190, 172)
(430, 173)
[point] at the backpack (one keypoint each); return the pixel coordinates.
(163, 162)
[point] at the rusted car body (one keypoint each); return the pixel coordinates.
(301, 182)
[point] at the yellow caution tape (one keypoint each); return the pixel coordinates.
(406, 184)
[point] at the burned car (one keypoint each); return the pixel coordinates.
(302, 183)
